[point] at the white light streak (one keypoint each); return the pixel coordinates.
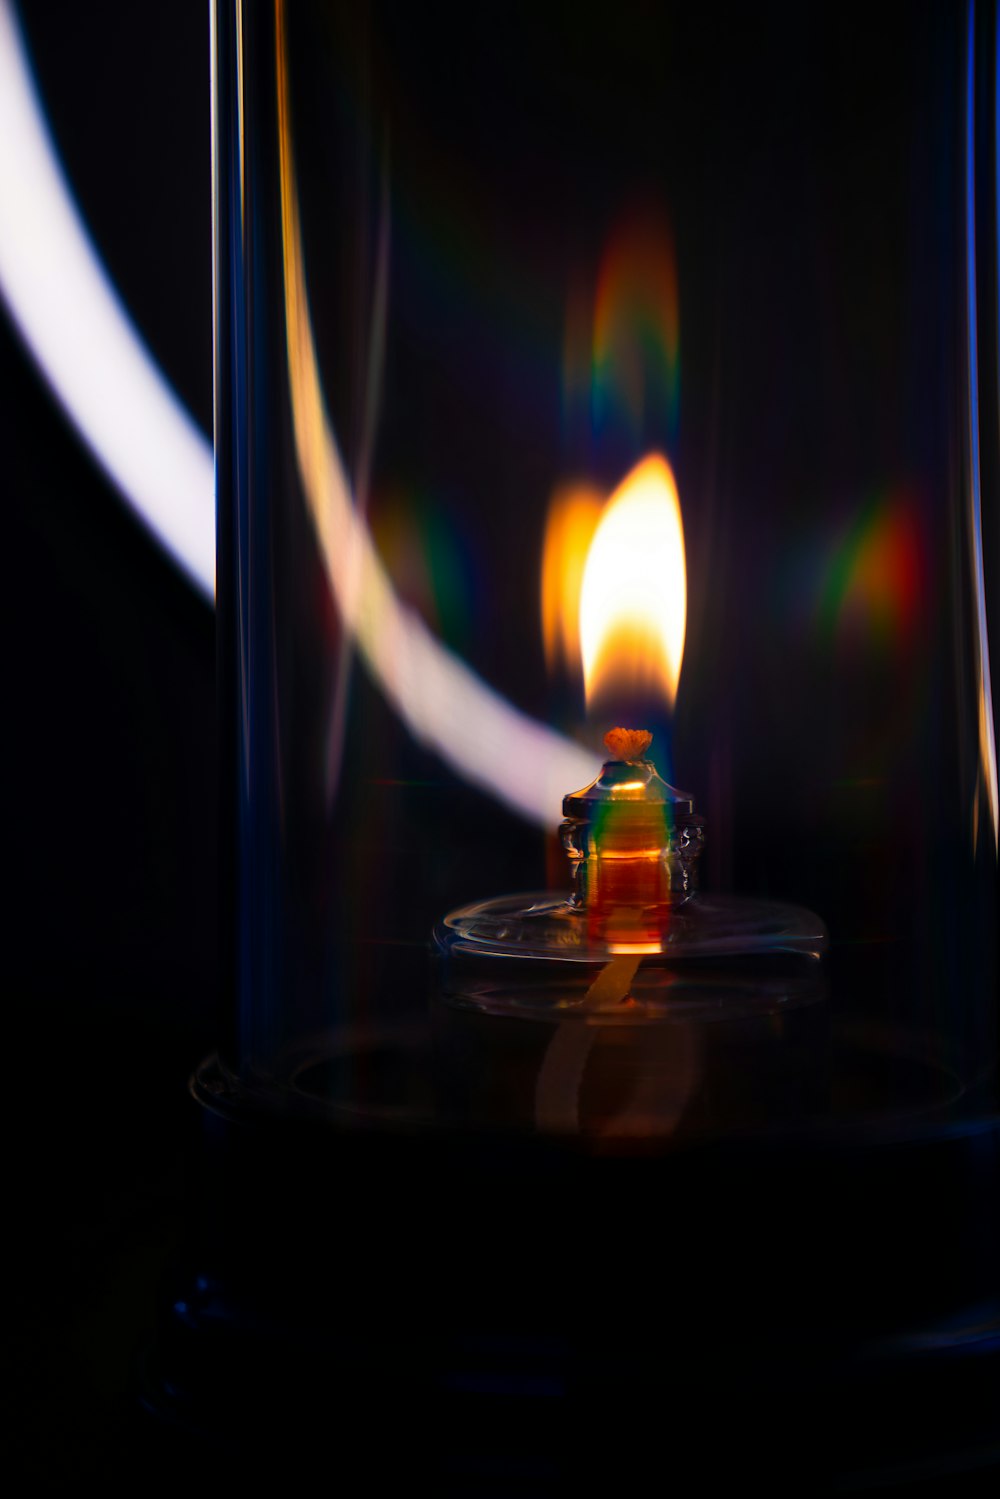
(71, 318)
(446, 706)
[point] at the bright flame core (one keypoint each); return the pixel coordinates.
(633, 603)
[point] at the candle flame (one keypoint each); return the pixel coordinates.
(633, 600)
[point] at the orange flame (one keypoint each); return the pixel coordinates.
(633, 599)
(574, 512)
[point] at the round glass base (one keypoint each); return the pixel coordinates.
(718, 953)
(705, 926)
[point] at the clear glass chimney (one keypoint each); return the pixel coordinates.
(473, 269)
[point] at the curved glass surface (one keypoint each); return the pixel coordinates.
(473, 269)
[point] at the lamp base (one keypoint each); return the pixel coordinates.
(688, 967)
(484, 1316)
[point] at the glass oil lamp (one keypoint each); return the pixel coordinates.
(551, 354)
(633, 841)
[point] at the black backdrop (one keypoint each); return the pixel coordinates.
(110, 932)
(111, 960)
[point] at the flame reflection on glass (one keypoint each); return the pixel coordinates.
(633, 602)
(874, 587)
(445, 705)
(636, 345)
(572, 520)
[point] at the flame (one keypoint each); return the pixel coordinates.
(633, 601)
(574, 512)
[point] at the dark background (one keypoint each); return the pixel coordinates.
(112, 962)
(111, 946)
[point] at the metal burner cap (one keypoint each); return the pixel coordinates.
(628, 783)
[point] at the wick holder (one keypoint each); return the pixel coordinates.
(633, 843)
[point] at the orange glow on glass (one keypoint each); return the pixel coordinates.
(574, 512)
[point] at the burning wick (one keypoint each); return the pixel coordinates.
(627, 744)
(633, 841)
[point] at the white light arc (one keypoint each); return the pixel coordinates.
(66, 308)
(62, 300)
